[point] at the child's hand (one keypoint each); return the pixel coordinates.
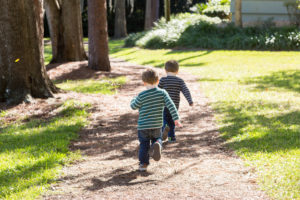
(177, 123)
(191, 104)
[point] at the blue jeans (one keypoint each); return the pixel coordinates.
(145, 137)
(168, 120)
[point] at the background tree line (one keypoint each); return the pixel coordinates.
(135, 17)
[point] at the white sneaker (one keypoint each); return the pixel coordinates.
(143, 167)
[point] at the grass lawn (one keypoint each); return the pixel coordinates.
(91, 86)
(256, 97)
(33, 150)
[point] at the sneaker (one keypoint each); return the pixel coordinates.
(171, 139)
(165, 133)
(156, 151)
(143, 167)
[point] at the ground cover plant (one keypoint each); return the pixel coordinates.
(33, 150)
(255, 95)
(200, 31)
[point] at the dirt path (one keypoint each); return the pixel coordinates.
(196, 167)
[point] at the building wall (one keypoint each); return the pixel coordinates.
(258, 11)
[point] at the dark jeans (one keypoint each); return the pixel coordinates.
(145, 137)
(168, 120)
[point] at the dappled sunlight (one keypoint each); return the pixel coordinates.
(32, 152)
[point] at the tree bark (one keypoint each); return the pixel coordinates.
(167, 10)
(120, 19)
(22, 71)
(98, 36)
(152, 13)
(238, 13)
(148, 18)
(155, 11)
(64, 19)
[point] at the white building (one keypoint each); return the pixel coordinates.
(259, 11)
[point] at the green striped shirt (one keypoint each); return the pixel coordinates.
(151, 104)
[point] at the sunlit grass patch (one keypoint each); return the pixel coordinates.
(91, 86)
(47, 54)
(32, 153)
(255, 95)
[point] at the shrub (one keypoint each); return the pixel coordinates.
(214, 8)
(166, 35)
(198, 31)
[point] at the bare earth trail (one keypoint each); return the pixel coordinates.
(198, 166)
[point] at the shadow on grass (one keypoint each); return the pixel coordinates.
(259, 132)
(44, 142)
(161, 64)
(289, 80)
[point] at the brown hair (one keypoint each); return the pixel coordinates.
(172, 66)
(150, 76)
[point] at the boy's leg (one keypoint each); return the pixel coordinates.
(165, 129)
(144, 147)
(170, 123)
(156, 144)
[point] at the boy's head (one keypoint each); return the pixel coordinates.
(150, 76)
(172, 66)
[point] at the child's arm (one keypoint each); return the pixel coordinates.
(135, 103)
(186, 92)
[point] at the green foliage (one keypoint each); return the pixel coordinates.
(198, 31)
(91, 86)
(132, 38)
(255, 95)
(213, 8)
(166, 34)
(33, 152)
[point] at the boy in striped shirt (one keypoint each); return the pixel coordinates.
(173, 85)
(151, 103)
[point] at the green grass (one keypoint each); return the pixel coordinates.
(33, 152)
(91, 86)
(255, 95)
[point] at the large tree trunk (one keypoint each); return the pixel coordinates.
(64, 19)
(152, 13)
(22, 71)
(167, 10)
(120, 19)
(98, 37)
(148, 20)
(155, 10)
(238, 13)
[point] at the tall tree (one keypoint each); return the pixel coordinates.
(64, 19)
(120, 19)
(167, 10)
(238, 13)
(98, 36)
(152, 13)
(22, 71)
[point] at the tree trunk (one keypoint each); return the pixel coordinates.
(148, 23)
(155, 11)
(152, 13)
(167, 10)
(120, 19)
(238, 13)
(98, 36)
(22, 71)
(64, 19)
